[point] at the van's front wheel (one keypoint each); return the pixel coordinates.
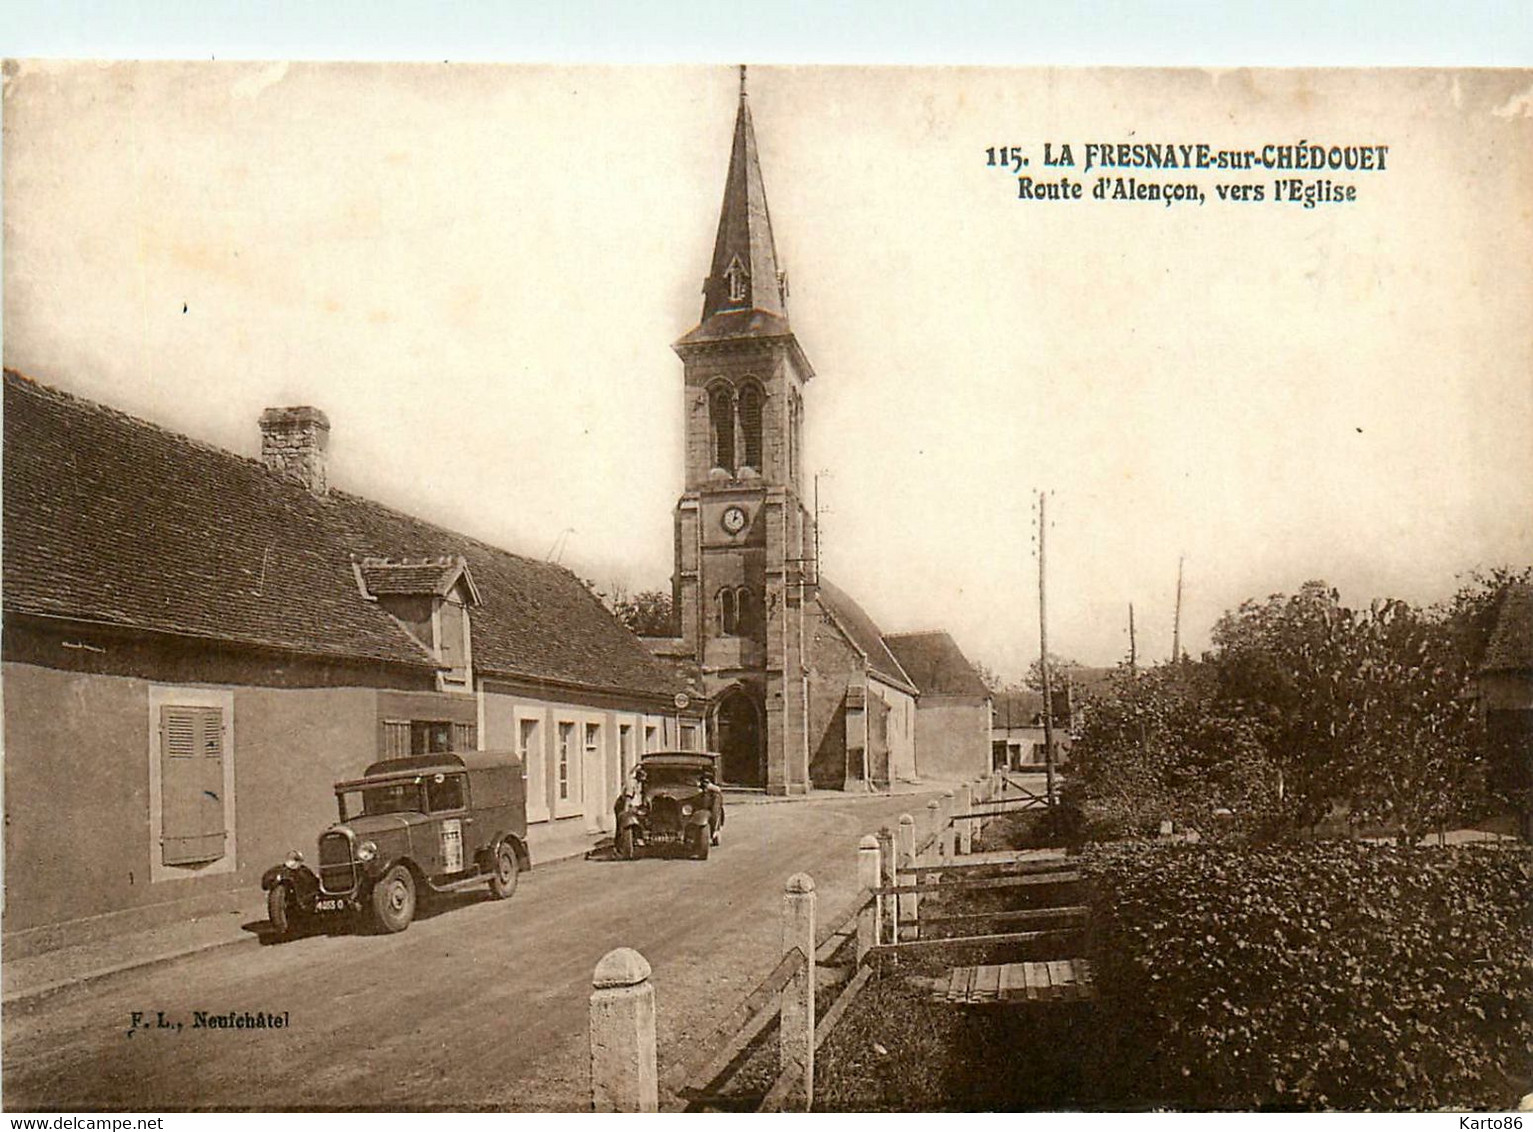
(280, 910)
(394, 900)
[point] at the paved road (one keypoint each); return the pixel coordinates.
(480, 1005)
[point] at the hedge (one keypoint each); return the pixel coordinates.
(1333, 975)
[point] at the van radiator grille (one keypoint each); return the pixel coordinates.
(337, 871)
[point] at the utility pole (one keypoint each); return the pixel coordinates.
(1176, 629)
(1133, 653)
(816, 524)
(1043, 651)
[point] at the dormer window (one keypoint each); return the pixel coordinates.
(736, 276)
(430, 598)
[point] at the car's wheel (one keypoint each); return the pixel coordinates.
(280, 910)
(623, 846)
(507, 869)
(697, 837)
(394, 900)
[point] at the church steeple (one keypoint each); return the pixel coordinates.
(744, 275)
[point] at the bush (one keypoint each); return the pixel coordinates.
(1155, 747)
(1323, 976)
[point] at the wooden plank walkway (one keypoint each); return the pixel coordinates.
(1058, 980)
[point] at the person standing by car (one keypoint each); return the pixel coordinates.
(715, 796)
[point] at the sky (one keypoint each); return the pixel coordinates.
(477, 272)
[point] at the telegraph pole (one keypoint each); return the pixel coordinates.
(1133, 653)
(1043, 651)
(1176, 629)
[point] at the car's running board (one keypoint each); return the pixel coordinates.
(460, 885)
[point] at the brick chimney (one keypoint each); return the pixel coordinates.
(293, 444)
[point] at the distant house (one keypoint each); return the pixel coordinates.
(197, 644)
(1017, 733)
(953, 708)
(1506, 697)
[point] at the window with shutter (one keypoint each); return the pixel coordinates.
(396, 738)
(465, 737)
(191, 785)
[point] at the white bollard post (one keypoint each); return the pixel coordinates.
(907, 852)
(870, 875)
(934, 831)
(965, 804)
(795, 1028)
(623, 1076)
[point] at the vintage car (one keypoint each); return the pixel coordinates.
(672, 799)
(409, 827)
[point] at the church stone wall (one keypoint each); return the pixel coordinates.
(833, 666)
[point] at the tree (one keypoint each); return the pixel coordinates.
(1411, 729)
(1059, 667)
(1154, 747)
(1470, 616)
(1301, 704)
(988, 677)
(1366, 707)
(647, 613)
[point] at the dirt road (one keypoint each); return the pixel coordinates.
(480, 1005)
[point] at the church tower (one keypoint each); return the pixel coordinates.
(744, 540)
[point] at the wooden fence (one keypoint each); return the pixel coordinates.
(894, 870)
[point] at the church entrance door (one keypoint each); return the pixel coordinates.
(739, 731)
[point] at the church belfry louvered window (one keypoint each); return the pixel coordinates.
(750, 425)
(721, 416)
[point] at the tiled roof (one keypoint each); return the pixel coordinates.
(1511, 641)
(110, 519)
(936, 664)
(863, 633)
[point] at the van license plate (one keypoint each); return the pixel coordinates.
(330, 905)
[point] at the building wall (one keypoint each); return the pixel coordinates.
(903, 731)
(952, 737)
(837, 728)
(625, 729)
(1025, 745)
(79, 754)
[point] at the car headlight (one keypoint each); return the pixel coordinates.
(366, 851)
(686, 811)
(294, 859)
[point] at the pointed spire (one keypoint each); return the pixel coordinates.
(744, 275)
